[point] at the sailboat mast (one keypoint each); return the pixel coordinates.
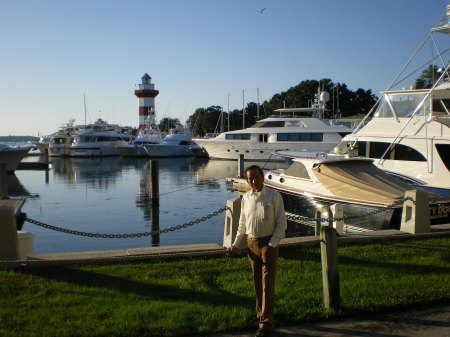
(84, 99)
(257, 104)
(228, 112)
(243, 111)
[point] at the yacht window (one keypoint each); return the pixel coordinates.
(403, 152)
(403, 104)
(362, 149)
(263, 138)
(343, 134)
(377, 149)
(107, 139)
(184, 142)
(444, 153)
(271, 124)
(298, 169)
(400, 152)
(84, 138)
(245, 136)
(300, 137)
(441, 106)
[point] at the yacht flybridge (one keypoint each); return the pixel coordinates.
(409, 133)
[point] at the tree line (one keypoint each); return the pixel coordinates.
(343, 103)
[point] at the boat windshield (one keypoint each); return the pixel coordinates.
(402, 105)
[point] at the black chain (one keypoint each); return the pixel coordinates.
(395, 204)
(133, 235)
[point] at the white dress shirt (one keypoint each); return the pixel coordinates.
(262, 214)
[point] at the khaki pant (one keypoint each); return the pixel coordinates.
(263, 260)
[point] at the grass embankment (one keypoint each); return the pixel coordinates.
(191, 296)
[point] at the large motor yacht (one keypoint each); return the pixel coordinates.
(409, 133)
(100, 139)
(309, 133)
(61, 141)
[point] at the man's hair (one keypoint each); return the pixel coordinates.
(254, 167)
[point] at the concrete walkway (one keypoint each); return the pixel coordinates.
(425, 322)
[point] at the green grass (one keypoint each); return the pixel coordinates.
(191, 296)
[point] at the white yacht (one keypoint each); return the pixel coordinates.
(351, 188)
(43, 143)
(310, 133)
(148, 135)
(181, 136)
(409, 133)
(12, 156)
(61, 141)
(100, 139)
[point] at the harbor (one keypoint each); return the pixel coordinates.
(126, 219)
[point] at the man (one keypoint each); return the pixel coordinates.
(263, 223)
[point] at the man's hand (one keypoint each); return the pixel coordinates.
(233, 250)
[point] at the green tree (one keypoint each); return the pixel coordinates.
(168, 123)
(428, 77)
(343, 102)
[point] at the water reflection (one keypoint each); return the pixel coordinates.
(97, 172)
(16, 189)
(112, 195)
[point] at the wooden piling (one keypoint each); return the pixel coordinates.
(319, 211)
(154, 181)
(3, 181)
(330, 270)
(154, 196)
(241, 170)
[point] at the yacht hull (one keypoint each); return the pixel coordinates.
(94, 151)
(258, 151)
(12, 157)
(59, 151)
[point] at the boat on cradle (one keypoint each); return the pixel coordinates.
(409, 133)
(353, 188)
(61, 141)
(12, 156)
(100, 139)
(308, 133)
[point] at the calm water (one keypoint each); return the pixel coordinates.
(111, 196)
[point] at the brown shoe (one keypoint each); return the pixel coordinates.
(263, 333)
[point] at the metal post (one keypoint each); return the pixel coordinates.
(3, 181)
(330, 271)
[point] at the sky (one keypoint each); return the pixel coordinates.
(198, 53)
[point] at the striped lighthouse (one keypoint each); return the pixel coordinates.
(146, 94)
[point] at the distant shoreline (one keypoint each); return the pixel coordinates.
(19, 139)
